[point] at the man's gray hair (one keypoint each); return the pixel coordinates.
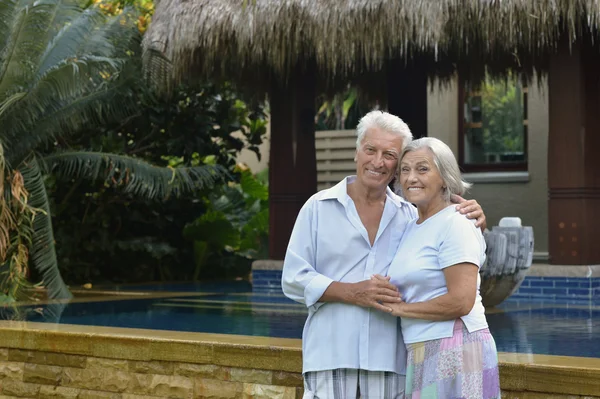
(444, 160)
(384, 121)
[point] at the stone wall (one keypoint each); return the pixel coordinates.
(50, 361)
(37, 374)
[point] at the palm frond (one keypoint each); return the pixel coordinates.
(133, 175)
(43, 252)
(22, 46)
(82, 76)
(7, 221)
(110, 102)
(7, 10)
(122, 32)
(29, 27)
(74, 36)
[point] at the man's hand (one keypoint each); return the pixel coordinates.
(371, 293)
(472, 209)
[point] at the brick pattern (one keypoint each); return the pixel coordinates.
(37, 374)
(571, 288)
(268, 281)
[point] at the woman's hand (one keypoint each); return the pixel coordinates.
(396, 309)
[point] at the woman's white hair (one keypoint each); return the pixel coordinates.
(384, 121)
(445, 162)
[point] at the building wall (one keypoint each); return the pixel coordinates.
(504, 194)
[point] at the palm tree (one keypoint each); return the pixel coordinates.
(63, 68)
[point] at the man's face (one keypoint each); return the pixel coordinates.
(377, 158)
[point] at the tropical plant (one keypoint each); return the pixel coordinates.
(341, 111)
(236, 222)
(101, 231)
(63, 68)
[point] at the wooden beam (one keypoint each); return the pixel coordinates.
(292, 156)
(573, 161)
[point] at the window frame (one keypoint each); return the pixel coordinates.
(491, 167)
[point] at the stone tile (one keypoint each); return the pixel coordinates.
(513, 378)
(287, 379)
(107, 364)
(11, 370)
(139, 383)
(89, 394)
(251, 375)
(260, 391)
(96, 379)
(50, 341)
(214, 389)
(536, 395)
(50, 392)
(299, 393)
(171, 387)
(51, 358)
(42, 374)
(184, 352)
(155, 367)
(244, 356)
(3, 354)
(209, 371)
(121, 347)
(560, 380)
(266, 264)
(161, 385)
(19, 388)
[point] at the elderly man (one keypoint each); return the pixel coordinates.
(352, 346)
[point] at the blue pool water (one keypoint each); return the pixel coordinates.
(554, 328)
(217, 286)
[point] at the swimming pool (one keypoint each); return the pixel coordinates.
(528, 327)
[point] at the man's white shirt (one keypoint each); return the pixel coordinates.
(330, 243)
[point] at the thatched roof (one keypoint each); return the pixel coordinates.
(252, 40)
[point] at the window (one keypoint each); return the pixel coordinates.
(493, 126)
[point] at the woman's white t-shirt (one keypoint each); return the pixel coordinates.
(444, 239)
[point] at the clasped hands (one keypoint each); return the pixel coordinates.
(378, 293)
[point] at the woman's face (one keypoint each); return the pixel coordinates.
(420, 178)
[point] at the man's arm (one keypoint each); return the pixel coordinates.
(302, 282)
(461, 280)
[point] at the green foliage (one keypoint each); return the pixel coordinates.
(101, 232)
(63, 69)
(237, 221)
(502, 104)
(342, 111)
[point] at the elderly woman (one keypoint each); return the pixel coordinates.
(451, 353)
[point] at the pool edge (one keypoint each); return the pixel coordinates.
(519, 372)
